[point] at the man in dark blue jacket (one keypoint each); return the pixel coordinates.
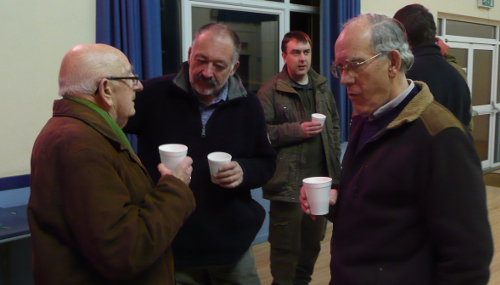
(445, 82)
(206, 107)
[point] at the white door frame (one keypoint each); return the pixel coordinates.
(493, 107)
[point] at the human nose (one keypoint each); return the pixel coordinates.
(345, 77)
(138, 87)
(207, 71)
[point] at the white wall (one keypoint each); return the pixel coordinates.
(34, 36)
(458, 7)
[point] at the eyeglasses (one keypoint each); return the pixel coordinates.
(350, 67)
(135, 80)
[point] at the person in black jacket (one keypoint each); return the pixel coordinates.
(445, 82)
(206, 107)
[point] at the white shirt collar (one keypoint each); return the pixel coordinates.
(394, 102)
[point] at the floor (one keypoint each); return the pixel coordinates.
(322, 274)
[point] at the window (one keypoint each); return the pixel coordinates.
(260, 25)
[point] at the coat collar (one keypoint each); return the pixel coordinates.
(415, 107)
(68, 108)
(236, 88)
(285, 83)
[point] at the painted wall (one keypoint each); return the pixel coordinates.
(34, 36)
(458, 7)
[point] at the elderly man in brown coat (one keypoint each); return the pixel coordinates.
(95, 215)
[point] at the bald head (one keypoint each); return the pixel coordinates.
(84, 66)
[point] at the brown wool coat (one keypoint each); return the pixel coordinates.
(411, 207)
(95, 216)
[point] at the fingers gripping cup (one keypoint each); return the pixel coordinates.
(317, 117)
(216, 159)
(318, 194)
(172, 154)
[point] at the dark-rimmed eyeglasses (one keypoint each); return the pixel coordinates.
(350, 67)
(135, 80)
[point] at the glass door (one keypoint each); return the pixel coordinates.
(260, 25)
(259, 31)
(477, 60)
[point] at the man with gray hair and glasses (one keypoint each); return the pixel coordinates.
(411, 204)
(95, 215)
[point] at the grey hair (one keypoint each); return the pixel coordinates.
(91, 69)
(387, 35)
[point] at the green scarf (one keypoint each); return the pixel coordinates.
(114, 126)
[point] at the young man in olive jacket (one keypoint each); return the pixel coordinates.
(411, 207)
(305, 149)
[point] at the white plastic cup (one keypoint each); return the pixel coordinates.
(318, 194)
(215, 160)
(317, 117)
(172, 154)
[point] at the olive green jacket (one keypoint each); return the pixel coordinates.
(284, 113)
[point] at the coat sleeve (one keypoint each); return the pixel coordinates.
(260, 168)
(336, 137)
(281, 132)
(118, 236)
(455, 210)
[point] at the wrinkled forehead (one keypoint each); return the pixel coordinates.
(353, 43)
(214, 47)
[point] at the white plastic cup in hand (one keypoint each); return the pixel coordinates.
(317, 117)
(172, 154)
(215, 160)
(318, 194)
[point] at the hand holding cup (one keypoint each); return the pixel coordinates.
(215, 160)
(317, 117)
(182, 171)
(172, 154)
(316, 195)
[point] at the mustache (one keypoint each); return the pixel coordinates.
(210, 81)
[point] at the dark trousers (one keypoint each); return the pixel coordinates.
(295, 240)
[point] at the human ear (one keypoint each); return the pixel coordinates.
(235, 67)
(104, 95)
(189, 55)
(394, 63)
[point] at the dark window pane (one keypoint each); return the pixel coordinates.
(260, 45)
(309, 24)
(498, 85)
(306, 2)
(461, 55)
(170, 36)
(466, 29)
(481, 77)
(481, 135)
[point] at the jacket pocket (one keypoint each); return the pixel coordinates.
(281, 175)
